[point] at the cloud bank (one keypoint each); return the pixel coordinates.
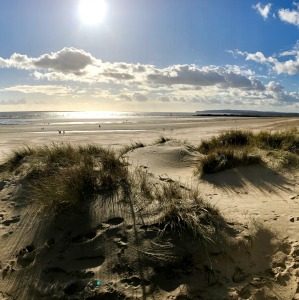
(287, 62)
(75, 73)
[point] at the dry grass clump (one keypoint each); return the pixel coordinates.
(18, 156)
(287, 140)
(226, 159)
(62, 175)
(162, 140)
(184, 214)
(177, 211)
(65, 188)
(233, 138)
(239, 148)
(128, 148)
(283, 159)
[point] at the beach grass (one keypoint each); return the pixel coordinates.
(229, 139)
(162, 140)
(185, 213)
(128, 148)
(287, 140)
(237, 148)
(62, 175)
(226, 159)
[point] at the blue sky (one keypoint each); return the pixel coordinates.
(168, 55)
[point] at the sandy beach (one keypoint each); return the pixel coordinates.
(259, 200)
(119, 132)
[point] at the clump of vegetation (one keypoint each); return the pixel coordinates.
(128, 148)
(226, 159)
(233, 138)
(62, 175)
(283, 159)
(18, 156)
(162, 140)
(239, 148)
(186, 214)
(65, 188)
(287, 140)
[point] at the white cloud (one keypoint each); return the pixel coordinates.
(263, 10)
(258, 56)
(274, 87)
(290, 66)
(67, 60)
(204, 76)
(289, 16)
(50, 90)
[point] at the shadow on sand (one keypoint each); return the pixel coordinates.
(261, 177)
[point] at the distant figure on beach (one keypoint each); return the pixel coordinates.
(99, 125)
(59, 131)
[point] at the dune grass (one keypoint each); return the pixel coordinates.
(18, 156)
(226, 159)
(186, 214)
(162, 140)
(128, 148)
(233, 138)
(241, 148)
(62, 175)
(287, 140)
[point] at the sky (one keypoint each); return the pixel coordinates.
(141, 55)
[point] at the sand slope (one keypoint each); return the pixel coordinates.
(106, 252)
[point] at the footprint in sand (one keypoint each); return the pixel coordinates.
(12, 220)
(115, 221)
(7, 269)
(293, 219)
(26, 256)
(2, 185)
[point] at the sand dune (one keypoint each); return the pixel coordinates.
(116, 249)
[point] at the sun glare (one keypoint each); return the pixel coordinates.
(92, 12)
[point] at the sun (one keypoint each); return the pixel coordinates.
(92, 12)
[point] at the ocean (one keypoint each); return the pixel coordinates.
(81, 117)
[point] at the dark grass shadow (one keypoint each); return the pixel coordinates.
(261, 177)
